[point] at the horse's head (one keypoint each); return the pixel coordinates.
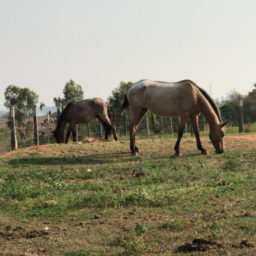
(58, 136)
(217, 137)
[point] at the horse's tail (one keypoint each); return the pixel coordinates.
(125, 103)
(61, 122)
(210, 100)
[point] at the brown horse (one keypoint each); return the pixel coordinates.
(184, 99)
(83, 112)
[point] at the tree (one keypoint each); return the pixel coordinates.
(23, 100)
(72, 91)
(115, 105)
(230, 108)
(117, 98)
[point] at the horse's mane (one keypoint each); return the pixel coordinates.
(209, 99)
(62, 118)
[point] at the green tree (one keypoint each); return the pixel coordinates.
(115, 105)
(72, 91)
(230, 108)
(117, 97)
(23, 100)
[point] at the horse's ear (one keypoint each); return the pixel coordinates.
(223, 124)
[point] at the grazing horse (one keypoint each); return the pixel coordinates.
(83, 112)
(184, 99)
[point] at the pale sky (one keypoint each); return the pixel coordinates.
(98, 43)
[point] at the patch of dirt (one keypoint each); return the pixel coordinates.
(138, 173)
(9, 233)
(198, 244)
(32, 149)
(243, 244)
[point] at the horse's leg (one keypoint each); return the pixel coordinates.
(68, 134)
(108, 127)
(182, 123)
(194, 122)
(135, 120)
(73, 129)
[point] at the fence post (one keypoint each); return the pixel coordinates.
(14, 142)
(77, 133)
(147, 126)
(48, 125)
(241, 117)
(162, 124)
(100, 129)
(186, 127)
(153, 122)
(203, 123)
(88, 130)
(125, 124)
(35, 119)
(171, 125)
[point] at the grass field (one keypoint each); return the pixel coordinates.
(97, 199)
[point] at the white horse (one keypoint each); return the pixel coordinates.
(184, 99)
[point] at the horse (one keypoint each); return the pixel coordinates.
(83, 112)
(184, 99)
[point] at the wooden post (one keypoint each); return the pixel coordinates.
(147, 126)
(48, 126)
(203, 123)
(36, 136)
(14, 142)
(153, 122)
(88, 130)
(76, 132)
(171, 125)
(162, 124)
(241, 117)
(100, 130)
(125, 124)
(186, 127)
(191, 129)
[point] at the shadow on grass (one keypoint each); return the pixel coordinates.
(90, 159)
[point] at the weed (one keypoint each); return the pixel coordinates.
(140, 229)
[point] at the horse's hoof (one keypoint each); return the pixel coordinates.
(205, 152)
(178, 154)
(134, 153)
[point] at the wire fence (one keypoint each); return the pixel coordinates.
(39, 130)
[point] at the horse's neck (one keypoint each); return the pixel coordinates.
(210, 114)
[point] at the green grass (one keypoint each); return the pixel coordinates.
(97, 199)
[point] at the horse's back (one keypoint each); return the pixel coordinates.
(163, 98)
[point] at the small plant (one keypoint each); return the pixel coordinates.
(80, 253)
(134, 246)
(231, 165)
(175, 225)
(213, 226)
(140, 229)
